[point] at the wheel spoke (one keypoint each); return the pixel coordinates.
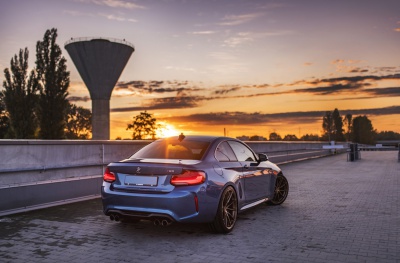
(229, 209)
(281, 190)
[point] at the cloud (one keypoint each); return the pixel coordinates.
(374, 111)
(348, 66)
(210, 32)
(392, 91)
(336, 88)
(342, 82)
(114, 3)
(190, 95)
(177, 102)
(243, 118)
(247, 37)
(358, 70)
(234, 20)
(118, 18)
(153, 86)
(239, 39)
(257, 118)
(386, 69)
(226, 90)
(77, 98)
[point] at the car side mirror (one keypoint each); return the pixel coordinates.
(262, 157)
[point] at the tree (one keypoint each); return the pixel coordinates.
(4, 121)
(387, 135)
(54, 78)
(256, 138)
(78, 122)
(273, 136)
(327, 125)
(310, 137)
(20, 97)
(363, 131)
(143, 125)
(348, 122)
(290, 137)
(337, 126)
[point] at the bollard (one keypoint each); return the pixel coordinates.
(356, 153)
(352, 152)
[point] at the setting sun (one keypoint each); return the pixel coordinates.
(167, 130)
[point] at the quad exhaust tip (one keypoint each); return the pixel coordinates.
(115, 217)
(157, 222)
(162, 222)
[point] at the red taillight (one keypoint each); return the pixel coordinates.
(188, 178)
(108, 176)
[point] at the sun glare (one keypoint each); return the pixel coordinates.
(167, 131)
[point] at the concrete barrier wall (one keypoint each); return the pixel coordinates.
(36, 173)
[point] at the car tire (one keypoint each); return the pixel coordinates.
(226, 216)
(281, 190)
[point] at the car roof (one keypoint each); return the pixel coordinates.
(204, 138)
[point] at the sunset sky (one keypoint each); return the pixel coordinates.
(246, 66)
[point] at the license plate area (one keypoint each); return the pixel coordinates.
(134, 180)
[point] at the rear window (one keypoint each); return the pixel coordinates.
(173, 149)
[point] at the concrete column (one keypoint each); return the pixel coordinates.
(100, 119)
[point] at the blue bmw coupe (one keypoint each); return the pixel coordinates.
(199, 179)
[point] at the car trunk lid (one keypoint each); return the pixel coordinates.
(147, 175)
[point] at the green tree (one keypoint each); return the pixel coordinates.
(337, 126)
(78, 122)
(4, 121)
(20, 97)
(53, 75)
(143, 126)
(273, 136)
(327, 125)
(363, 131)
(348, 122)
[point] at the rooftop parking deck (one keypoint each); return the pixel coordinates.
(336, 211)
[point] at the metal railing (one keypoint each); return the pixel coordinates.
(36, 174)
(115, 40)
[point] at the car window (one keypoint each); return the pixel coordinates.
(224, 153)
(172, 149)
(242, 153)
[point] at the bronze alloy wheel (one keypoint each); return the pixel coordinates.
(281, 190)
(229, 208)
(227, 212)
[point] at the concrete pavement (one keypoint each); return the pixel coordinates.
(336, 211)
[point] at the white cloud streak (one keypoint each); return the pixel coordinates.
(114, 3)
(234, 20)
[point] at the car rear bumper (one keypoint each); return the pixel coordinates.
(178, 205)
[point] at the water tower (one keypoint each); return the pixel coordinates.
(100, 63)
